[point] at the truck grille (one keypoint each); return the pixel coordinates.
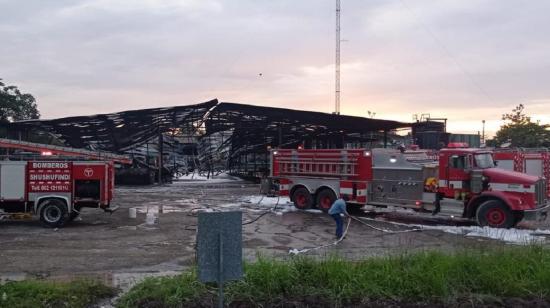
(540, 192)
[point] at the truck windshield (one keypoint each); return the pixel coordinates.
(484, 160)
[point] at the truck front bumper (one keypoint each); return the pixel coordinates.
(538, 214)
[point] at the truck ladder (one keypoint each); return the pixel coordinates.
(330, 164)
(63, 151)
(328, 168)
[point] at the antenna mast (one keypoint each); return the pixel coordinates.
(337, 66)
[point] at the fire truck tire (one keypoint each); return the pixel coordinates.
(53, 213)
(302, 199)
(325, 199)
(495, 214)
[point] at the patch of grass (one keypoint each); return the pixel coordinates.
(34, 293)
(165, 291)
(522, 272)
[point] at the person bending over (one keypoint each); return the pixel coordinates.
(337, 208)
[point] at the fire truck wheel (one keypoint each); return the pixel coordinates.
(53, 213)
(325, 199)
(302, 199)
(495, 214)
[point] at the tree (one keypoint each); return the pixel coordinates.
(520, 131)
(16, 106)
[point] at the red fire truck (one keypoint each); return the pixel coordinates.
(53, 186)
(463, 178)
(531, 161)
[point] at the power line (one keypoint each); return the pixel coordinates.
(447, 52)
(337, 65)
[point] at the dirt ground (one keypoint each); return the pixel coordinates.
(122, 249)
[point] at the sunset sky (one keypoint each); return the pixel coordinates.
(463, 60)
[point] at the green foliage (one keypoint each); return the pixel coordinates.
(32, 293)
(520, 131)
(507, 272)
(167, 291)
(15, 106)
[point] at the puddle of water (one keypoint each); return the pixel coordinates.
(262, 203)
(228, 205)
(132, 228)
(314, 211)
(515, 236)
(8, 277)
(159, 209)
(291, 219)
(265, 201)
(125, 281)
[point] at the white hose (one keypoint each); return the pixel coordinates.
(384, 230)
(298, 251)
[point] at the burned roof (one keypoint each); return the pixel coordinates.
(119, 131)
(258, 126)
(249, 124)
(301, 118)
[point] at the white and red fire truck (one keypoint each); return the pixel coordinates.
(53, 186)
(465, 178)
(530, 161)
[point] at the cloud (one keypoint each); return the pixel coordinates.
(466, 61)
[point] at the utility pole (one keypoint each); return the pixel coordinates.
(483, 132)
(337, 66)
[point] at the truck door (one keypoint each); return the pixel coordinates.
(534, 167)
(458, 171)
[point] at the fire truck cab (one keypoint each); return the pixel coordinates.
(388, 177)
(494, 196)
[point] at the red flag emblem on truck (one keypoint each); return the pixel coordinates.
(88, 172)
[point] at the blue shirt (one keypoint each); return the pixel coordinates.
(338, 207)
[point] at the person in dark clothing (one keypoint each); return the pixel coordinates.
(338, 208)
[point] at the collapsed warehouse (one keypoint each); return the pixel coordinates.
(206, 138)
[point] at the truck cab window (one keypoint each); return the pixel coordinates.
(484, 160)
(457, 162)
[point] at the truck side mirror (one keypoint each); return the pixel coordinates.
(496, 163)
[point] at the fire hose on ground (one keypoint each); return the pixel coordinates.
(300, 251)
(193, 227)
(360, 220)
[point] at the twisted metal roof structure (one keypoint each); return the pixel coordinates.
(229, 128)
(116, 132)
